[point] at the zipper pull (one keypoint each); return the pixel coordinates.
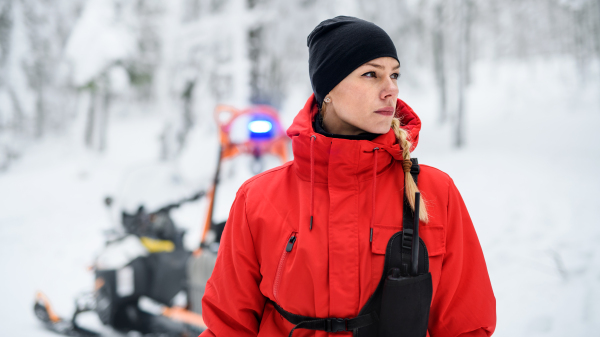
(290, 244)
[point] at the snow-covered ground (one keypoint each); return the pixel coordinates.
(529, 176)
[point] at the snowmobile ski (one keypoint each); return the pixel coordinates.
(44, 312)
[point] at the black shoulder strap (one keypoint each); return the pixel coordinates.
(324, 324)
(408, 222)
(407, 218)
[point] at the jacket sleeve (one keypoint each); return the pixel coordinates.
(233, 304)
(464, 304)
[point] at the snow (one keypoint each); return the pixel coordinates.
(529, 177)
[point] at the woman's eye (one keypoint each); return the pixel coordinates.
(374, 75)
(370, 74)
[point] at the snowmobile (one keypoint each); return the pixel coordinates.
(145, 280)
(140, 280)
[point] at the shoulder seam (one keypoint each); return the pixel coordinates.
(248, 225)
(446, 174)
(267, 172)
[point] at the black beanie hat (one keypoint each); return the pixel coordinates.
(336, 47)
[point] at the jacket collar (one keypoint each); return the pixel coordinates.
(351, 158)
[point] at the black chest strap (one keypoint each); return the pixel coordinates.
(409, 231)
(325, 324)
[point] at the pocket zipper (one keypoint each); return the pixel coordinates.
(288, 249)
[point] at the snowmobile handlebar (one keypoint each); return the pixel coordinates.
(194, 197)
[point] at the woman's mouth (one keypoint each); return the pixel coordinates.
(387, 111)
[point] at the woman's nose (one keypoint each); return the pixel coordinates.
(390, 88)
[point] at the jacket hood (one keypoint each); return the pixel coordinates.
(341, 163)
(302, 126)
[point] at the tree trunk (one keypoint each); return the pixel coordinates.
(597, 31)
(103, 118)
(91, 117)
(438, 58)
(469, 12)
(18, 124)
(188, 116)
(463, 64)
(40, 113)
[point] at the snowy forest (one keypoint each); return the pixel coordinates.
(116, 97)
(68, 61)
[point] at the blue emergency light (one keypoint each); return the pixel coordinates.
(261, 127)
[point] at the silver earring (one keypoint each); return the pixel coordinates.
(327, 99)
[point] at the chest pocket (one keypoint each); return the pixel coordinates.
(435, 242)
(433, 236)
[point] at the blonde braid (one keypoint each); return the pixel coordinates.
(410, 186)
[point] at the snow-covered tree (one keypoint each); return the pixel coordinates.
(67, 61)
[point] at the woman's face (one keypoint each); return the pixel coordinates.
(365, 100)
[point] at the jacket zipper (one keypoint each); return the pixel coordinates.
(288, 249)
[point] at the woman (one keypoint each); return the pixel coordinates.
(309, 237)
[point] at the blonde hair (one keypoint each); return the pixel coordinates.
(410, 187)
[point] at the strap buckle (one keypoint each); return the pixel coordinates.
(415, 168)
(336, 324)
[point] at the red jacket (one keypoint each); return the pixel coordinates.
(332, 270)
